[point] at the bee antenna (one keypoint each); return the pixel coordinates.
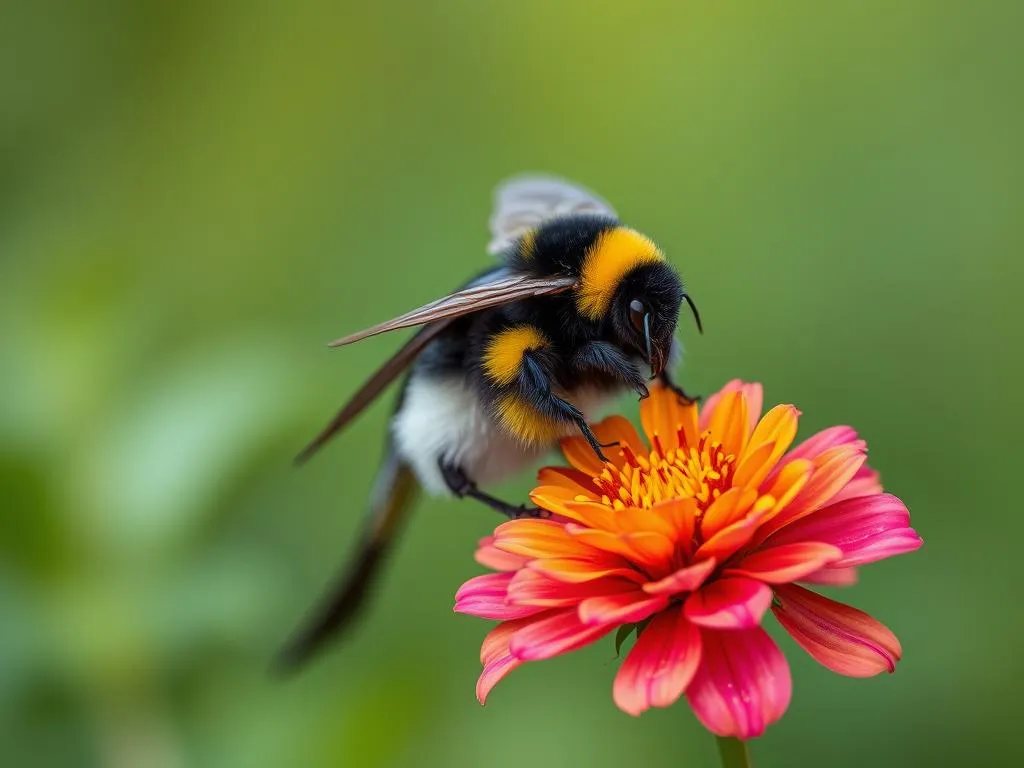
(696, 314)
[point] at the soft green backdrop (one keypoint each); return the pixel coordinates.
(195, 196)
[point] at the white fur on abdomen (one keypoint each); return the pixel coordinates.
(442, 418)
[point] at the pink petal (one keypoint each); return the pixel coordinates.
(832, 577)
(559, 633)
(618, 609)
(490, 556)
(684, 580)
(730, 603)
(837, 636)
(496, 658)
(487, 598)
(493, 674)
(833, 470)
(742, 685)
(787, 562)
(814, 446)
(865, 483)
(660, 665)
(866, 529)
(529, 587)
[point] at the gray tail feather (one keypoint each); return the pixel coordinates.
(394, 493)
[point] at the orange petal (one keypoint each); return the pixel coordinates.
(755, 400)
(614, 429)
(538, 538)
(654, 520)
(578, 452)
(726, 510)
(778, 429)
(576, 571)
(788, 483)
(750, 464)
(645, 548)
(734, 536)
(589, 513)
(572, 480)
(664, 415)
(786, 562)
(618, 429)
(729, 423)
(681, 514)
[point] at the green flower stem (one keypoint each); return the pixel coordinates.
(734, 752)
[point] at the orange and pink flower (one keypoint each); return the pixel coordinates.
(689, 539)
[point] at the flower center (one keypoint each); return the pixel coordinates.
(702, 472)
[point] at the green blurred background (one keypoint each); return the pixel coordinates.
(195, 196)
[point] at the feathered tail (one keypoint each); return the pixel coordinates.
(394, 493)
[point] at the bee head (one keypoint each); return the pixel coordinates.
(646, 310)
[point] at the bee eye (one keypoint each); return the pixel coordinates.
(637, 312)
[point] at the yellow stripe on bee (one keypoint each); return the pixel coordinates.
(526, 244)
(504, 352)
(526, 422)
(608, 260)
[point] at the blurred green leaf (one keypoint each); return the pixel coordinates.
(196, 196)
(622, 636)
(172, 453)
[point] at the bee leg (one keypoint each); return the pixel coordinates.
(668, 383)
(463, 487)
(607, 358)
(535, 387)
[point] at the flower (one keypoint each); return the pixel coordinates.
(689, 540)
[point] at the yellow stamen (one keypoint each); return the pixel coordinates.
(701, 471)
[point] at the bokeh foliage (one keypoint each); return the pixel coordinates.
(195, 196)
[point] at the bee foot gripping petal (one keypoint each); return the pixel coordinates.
(463, 487)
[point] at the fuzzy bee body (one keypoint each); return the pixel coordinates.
(525, 354)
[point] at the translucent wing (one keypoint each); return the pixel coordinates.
(507, 288)
(372, 387)
(500, 287)
(524, 202)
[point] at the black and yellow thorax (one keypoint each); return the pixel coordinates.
(598, 250)
(522, 349)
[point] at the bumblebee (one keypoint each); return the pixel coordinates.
(524, 354)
